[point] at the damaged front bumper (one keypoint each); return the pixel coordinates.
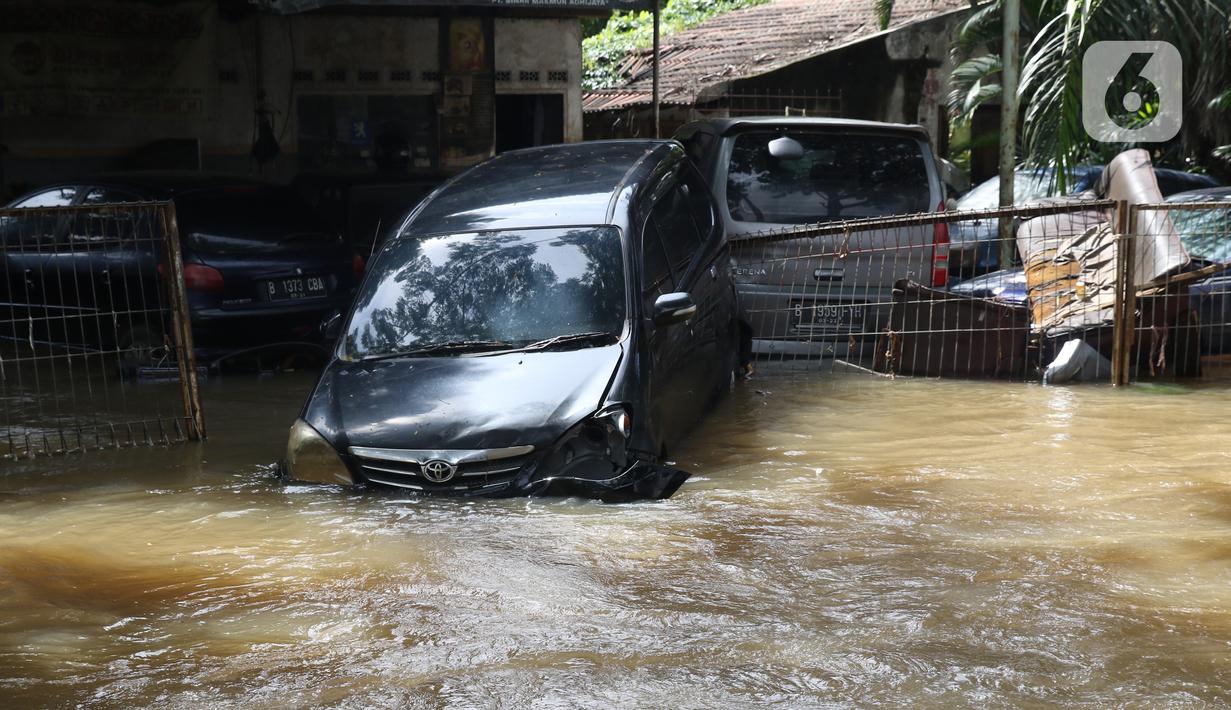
(640, 481)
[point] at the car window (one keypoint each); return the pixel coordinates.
(1204, 232)
(91, 229)
(697, 147)
(839, 176)
(672, 214)
(699, 203)
(655, 273)
(107, 196)
(55, 197)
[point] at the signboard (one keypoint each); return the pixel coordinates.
(293, 6)
(104, 58)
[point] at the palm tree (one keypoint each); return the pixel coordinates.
(1056, 34)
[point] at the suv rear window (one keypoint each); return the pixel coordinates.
(839, 177)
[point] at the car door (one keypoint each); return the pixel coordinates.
(664, 348)
(708, 279)
(688, 366)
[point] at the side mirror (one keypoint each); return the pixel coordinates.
(671, 308)
(331, 327)
(784, 148)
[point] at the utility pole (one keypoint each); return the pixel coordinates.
(1010, 60)
(658, 128)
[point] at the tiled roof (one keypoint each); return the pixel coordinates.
(754, 41)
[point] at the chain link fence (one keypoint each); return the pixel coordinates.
(95, 341)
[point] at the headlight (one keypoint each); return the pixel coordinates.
(311, 459)
(617, 415)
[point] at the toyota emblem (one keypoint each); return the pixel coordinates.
(438, 471)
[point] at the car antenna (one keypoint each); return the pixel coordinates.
(375, 237)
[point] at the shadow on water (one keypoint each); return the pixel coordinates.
(845, 541)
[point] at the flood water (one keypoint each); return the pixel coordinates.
(847, 540)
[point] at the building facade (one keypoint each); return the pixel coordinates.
(283, 86)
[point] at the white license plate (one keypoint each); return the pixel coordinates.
(826, 316)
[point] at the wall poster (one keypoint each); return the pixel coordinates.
(468, 90)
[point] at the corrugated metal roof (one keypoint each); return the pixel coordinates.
(755, 41)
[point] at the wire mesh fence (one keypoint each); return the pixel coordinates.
(1055, 292)
(1179, 289)
(95, 342)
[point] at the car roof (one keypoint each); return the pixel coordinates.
(167, 183)
(1202, 195)
(558, 185)
(723, 126)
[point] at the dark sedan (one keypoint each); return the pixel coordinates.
(551, 321)
(258, 267)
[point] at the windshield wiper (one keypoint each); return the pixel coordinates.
(569, 338)
(452, 347)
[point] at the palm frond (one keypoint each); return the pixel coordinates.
(884, 12)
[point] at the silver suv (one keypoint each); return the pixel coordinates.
(816, 295)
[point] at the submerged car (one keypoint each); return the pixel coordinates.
(812, 295)
(258, 267)
(550, 321)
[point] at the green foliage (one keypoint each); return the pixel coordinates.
(1058, 32)
(626, 32)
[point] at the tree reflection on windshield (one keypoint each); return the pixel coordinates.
(509, 286)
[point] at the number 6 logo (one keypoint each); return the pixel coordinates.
(1132, 92)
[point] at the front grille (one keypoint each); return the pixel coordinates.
(484, 470)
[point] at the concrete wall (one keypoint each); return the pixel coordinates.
(222, 70)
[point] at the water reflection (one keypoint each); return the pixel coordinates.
(841, 544)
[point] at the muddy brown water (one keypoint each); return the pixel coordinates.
(847, 541)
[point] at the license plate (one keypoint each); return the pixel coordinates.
(825, 316)
(294, 289)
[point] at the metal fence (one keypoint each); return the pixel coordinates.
(95, 342)
(1088, 290)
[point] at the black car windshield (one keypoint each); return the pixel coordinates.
(510, 288)
(839, 176)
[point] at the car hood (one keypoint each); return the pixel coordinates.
(484, 402)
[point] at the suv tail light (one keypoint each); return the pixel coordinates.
(940, 251)
(202, 278)
(358, 265)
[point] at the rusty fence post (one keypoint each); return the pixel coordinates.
(181, 326)
(1124, 311)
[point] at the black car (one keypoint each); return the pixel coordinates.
(550, 321)
(258, 266)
